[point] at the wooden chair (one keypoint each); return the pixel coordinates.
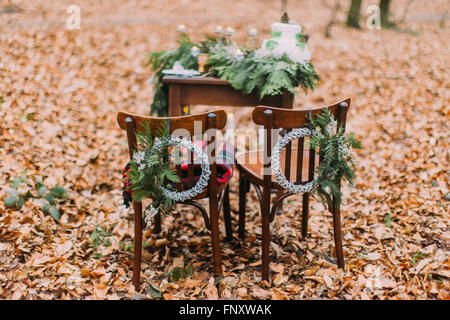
(255, 168)
(217, 194)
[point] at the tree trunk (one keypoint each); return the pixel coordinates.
(334, 11)
(353, 14)
(384, 13)
(283, 5)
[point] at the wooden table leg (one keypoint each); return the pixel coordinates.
(174, 100)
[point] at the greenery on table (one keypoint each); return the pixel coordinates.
(265, 76)
(152, 168)
(162, 60)
(336, 157)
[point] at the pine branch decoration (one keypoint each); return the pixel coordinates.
(336, 157)
(266, 76)
(151, 168)
(161, 60)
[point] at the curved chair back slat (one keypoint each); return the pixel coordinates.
(289, 119)
(181, 122)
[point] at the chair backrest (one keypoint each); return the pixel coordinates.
(276, 118)
(186, 126)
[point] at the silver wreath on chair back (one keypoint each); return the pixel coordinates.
(275, 162)
(202, 182)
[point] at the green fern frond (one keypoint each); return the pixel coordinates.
(336, 161)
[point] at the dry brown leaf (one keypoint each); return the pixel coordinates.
(211, 291)
(279, 279)
(279, 268)
(59, 108)
(63, 248)
(100, 290)
(260, 293)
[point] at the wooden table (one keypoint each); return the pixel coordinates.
(215, 92)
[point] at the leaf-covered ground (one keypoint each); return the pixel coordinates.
(60, 91)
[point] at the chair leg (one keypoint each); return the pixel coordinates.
(265, 217)
(227, 214)
(214, 218)
(265, 239)
(242, 205)
(137, 207)
(305, 213)
(338, 234)
(280, 206)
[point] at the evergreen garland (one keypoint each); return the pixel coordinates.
(152, 168)
(336, 157)
(162, 60)
(265, 76)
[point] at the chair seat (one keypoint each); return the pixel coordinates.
(224, 174)
(205, 193)
(252, 165)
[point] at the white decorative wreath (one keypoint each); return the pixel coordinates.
(204, 177)
(275, 162)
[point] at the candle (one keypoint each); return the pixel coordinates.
(229, 31)
(219, 30)
(181, 28)
(252, 40)
(252, 32)
(202, 59)
(195, 51)
(238, 53)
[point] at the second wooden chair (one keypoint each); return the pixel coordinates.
(255, 168)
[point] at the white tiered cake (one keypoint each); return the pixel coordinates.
(285, 39)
